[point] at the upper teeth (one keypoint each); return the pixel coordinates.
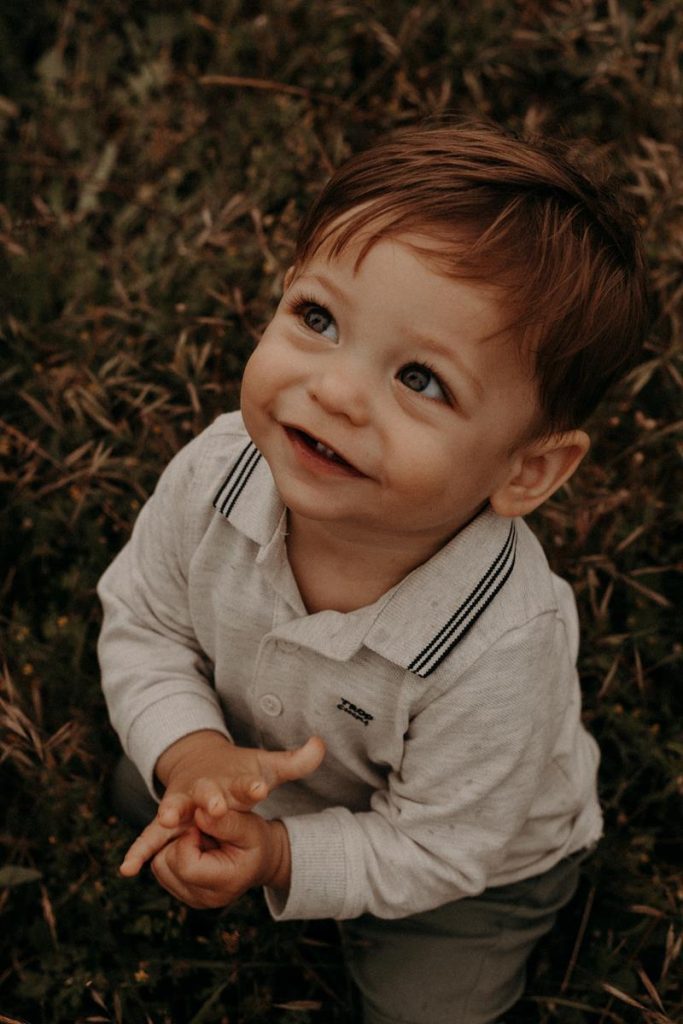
(324, 450)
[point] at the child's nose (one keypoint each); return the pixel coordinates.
(342, 391)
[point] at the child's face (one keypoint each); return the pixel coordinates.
(391, 367)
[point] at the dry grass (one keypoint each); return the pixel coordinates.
(156, 160)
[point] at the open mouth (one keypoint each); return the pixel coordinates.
(321, 450)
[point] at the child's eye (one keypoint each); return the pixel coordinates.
(319, 319)
(419, 377)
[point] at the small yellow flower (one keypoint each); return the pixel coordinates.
(141, 975)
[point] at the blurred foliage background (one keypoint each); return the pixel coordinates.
(156, 158)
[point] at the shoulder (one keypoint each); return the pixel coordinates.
(516, 666)
(206, 459)
(188, 486)
(532, 590)
(534, 587)
(530, 621)
(489, 589)
(227, 434)
(538, 590)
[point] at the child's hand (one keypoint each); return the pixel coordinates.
(214, 861)
(204, 770)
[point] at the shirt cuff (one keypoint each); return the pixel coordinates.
(324, 863)
(166, 721)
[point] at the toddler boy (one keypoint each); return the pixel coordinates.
(332, 646)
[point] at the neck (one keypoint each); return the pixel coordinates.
(343, 569)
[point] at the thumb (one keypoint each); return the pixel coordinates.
(280, 766)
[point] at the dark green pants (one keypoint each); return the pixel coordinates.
(463, 963)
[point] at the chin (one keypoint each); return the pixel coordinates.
(313, 510)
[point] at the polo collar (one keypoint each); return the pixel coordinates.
(248, 498)
(438, 603)
(419, 623)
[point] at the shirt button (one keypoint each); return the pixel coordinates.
(271, 704)
(286, 646)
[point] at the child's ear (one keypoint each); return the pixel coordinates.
(537, 472)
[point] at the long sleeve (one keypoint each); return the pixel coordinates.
(156, 680)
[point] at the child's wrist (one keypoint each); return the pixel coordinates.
(178, 752)
(279, 870)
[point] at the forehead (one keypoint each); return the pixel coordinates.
(462, 248)
(415, 270)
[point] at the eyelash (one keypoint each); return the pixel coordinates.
(298, 305)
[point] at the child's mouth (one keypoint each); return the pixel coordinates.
(322, 450)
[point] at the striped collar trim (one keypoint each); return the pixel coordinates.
(437, 605)
(467, 613)
(237, 479)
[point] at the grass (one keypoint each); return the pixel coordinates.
(157, 158)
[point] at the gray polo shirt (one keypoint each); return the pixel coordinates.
(450, 708)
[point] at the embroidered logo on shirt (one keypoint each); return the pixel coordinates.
(351, 709)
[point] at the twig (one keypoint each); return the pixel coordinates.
(268, 85)
(579, 939)
(29, 442)
(554, 1001)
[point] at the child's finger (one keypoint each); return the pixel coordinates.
(153, 839)
(186, 858)
(167, 870)
(233, 827)
(186, 871)
(208, 794)
(246, 791)
(174, 809)
(287, 765)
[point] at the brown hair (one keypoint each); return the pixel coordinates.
(513, 213)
